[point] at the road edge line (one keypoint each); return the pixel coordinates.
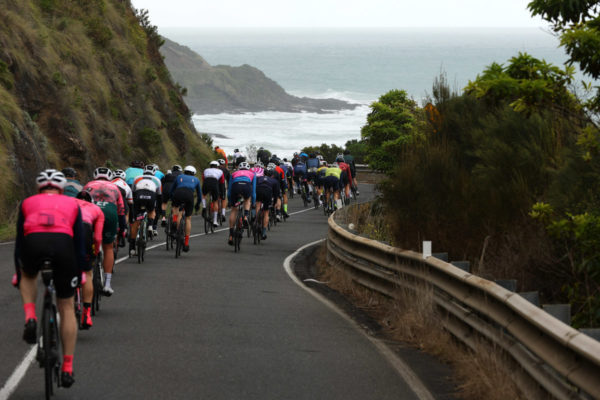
(403, 369)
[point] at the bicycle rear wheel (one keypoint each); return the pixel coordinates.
(50, 348)
(78, 302)
(98, 283)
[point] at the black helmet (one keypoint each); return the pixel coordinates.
(84, 195)
(137, 164)
(69, 172)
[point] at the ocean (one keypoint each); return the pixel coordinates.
(357, 65)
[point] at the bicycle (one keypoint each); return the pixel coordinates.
(238, 228)
(315, 196)
(48, 340)
(303, 193)
(329, 208)
(169, 231)
(141, 238)
(257, 225)
(78, 303)
(290, 180)
(98, 280)
(208, 225)
(180, 232)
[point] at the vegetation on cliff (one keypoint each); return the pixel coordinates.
(82, 84)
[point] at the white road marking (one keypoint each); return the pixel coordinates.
(403, 369)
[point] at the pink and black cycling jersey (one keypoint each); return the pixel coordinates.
(92, 214)
(258, 171)
(107, 192)
(50, 213)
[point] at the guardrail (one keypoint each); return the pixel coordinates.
(563, 361)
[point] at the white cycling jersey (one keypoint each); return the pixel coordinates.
(216, 173)
(147, 182)
(123, 185)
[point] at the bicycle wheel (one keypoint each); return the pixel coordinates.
(205, 217)
(78, 303)
(98, 283)
(49, 343)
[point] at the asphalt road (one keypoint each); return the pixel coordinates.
(213, 324)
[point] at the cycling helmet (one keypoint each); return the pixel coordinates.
(176, 167)
(285, 160)
(119, 173)
(236, 150)
(137, 164)
(319, 157)
(214, 164)
(244, 165)
(103, 173)
(69, 172)
(221, 161)
(312, 155)
(259, 164)
(150, 168)
(271, 166)
(269, 171)
(51, 178)
(339, 158)
(295, 154)
(83, 195)
(190, 170)
(323, 162)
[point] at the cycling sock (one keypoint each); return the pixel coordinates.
(108, 278)
(67, 364)
(87, 305)
(264, 231)
(187, 240)
(175, 218)
(230, 231)
(215, 215)
(285, 208)
(223, 211)
(29, 311)
(246, 213)
(203, 203)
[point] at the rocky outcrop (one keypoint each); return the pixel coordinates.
(221, 88)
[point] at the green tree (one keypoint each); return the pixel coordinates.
(394, 121)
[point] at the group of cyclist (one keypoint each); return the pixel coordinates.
(69, 223)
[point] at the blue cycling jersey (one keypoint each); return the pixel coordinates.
(300, 168)
(312, 163)
(188, 182)
(159, 175)
(131, 173)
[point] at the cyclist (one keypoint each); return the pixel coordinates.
(146, 188)
(346, 178)
(182, 194)
(73, 186)
(126, 193)
(238, 157)
(300, 173)
(221, 153)
(136, 169)
(242, 185)
(49, 226)
(157, 177)
(349, 159)
(213, 183)
(167, 183)
(263, 155)
(320, 179)
(93, 223)
(312, 164)
(258, 168)
(227, 175)
(267, 189)
(279, 174)
(332, 183)
(108, 197)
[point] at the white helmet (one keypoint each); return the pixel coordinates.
(244, 165)
(271, 166)
(119, 173)
(152, 168)
(190, 170)
(214, 164)
(52, 178)
(103, 173)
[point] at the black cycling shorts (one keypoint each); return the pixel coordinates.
(264, 194)
(58, 248)
(211, 185)
(184, 197)
(166, 189)
(143, 201)
(331, 182)
(240, 189)
(343, 179)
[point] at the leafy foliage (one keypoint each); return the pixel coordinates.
(394, 121)
(329, 152)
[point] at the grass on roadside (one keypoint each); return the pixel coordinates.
(414, 319)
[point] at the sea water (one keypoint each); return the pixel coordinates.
(356, 65)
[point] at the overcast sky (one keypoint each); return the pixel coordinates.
(339, 13)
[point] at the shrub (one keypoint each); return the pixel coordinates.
(151, 141)
(97, 30)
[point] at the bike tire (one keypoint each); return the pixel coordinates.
(46, 346)
(78, 303)
(206, 225)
